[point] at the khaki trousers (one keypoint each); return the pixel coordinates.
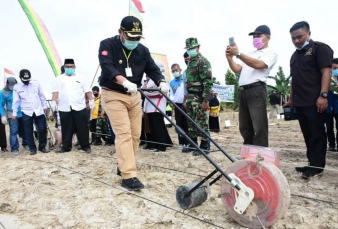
(125, 115)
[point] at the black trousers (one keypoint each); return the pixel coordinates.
(312, 125)
(253, 120)
(330, 128)
(159, 132)
(71, 121)
(3, 139)
(181, 121)
(41, 128)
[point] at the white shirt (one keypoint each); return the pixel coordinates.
(178, 96)
(250, 75)
(159, 102)
(32, 98)
(72, 90)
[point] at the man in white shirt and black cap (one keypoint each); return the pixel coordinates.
(253, 120)
(73, 94)
(34, 107)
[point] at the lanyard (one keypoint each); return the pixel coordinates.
(127, 57)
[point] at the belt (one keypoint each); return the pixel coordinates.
(249, 86)
(124, 92)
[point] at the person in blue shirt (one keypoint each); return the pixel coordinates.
(332, 111)
(6, 99)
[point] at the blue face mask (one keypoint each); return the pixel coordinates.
(305, 44)
(176, 74)
(192, 52)
(69, 71)
(130, 45)
(335, 72)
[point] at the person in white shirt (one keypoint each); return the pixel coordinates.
(33, 107)
(158, 130)
(71, 90)
(177, 96)
(253, 121)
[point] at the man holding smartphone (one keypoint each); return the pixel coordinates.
(257, 64)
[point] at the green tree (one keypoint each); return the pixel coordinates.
(232, 79)
(282, 83)
(215, 81)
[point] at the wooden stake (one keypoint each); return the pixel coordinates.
(95, 75)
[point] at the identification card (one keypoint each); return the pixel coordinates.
(129, 72)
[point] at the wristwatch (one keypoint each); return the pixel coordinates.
(238, 55)
(324, 94)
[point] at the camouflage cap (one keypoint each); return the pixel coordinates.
(191, 43)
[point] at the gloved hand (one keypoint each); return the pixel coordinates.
(164, 87)
(53, 106)
(3, 120)
(132, 88)
(91, 104)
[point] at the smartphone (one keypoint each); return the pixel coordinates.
(231, 41)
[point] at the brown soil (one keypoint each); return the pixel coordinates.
(76, 190)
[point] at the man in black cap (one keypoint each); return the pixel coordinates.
(72, 93)
(124, 61)
(253, 120)
(34, 107)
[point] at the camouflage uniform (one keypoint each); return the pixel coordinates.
(198, 84)
(102, 127)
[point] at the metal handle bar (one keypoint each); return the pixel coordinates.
(181, 132)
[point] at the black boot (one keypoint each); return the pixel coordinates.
(188, 148)
(203, 146)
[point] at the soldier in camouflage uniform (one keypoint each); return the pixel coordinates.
(102, 127)
(198, 84)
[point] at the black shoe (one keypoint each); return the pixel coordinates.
(203, 146)
(4, 149)
(312, 172)
(107, 143)
(32, 152)
(77, 143)
(188, 148)
(61, 150)
(331, 149)
(118, 172)
(148, 147)
(132, 184)
(44, 150)
(86, 150)
(159, 151)
(97, 143)
(301, 169)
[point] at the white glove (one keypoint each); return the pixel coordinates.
(3, 120)
(91, 104)
(164, 87)
(53, 106)
(132, 88)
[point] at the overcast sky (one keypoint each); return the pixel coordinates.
(78, 26)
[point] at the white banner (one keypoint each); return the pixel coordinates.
(226, 93)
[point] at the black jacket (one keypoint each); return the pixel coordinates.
(274, 99)
(113, 62)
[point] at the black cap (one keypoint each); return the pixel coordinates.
(95, 88)
(25, 75)
(262, 29)
(11, 81)
(69, 61)
(132, 26)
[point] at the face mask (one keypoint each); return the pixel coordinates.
(257, 42)
(305, 44)
(69, 71)
(335, 72)
(130, 45)
(25, 82)
(192, 52)
(176, 74)
(95, 94)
